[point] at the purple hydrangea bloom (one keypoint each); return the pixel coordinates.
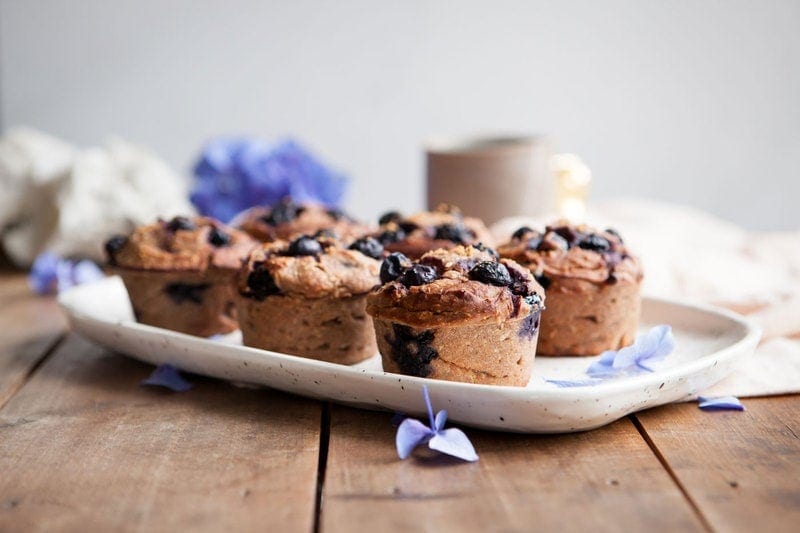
(169, 377)
(413, 433)
(648, 348)
(51, 273)
(236, 173)
(723, 403)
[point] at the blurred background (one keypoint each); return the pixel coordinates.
(692, 102)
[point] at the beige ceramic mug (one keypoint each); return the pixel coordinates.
(491, 178)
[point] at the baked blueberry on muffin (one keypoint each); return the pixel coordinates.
(180, 273)
(592, 285)
(307, 297)
(457, 315)
(445, 227)
(287, 219)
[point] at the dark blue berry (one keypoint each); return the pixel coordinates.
(483, 248)
(114, 245)
(418, 275)
(533, 300)
(553, 241)
(185, 292)
(389, 236)
(492, 273)
(261, 283)
(180, 223)
(521, 232)
(616, 234)
(570, 235)
(408, 227)
(595, 243)
(519, 281)
(282, 212)
(304, 245)
(368, 246)
(218, 238)
(413, 352)
(393, 266)
(529, 326)
(534, 242)
(543, 280)
(390, 216)
(454, 233)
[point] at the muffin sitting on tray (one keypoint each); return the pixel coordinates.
(457, 315)
(444, 227)
(307, 297)
(287, 219)
(180, 273)
(592, 285)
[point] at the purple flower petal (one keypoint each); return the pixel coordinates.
(168, 376)
(428, 406)
(604, 366)
(723, 403)
(626, 357)
(441, 418)
(564, 383)
(86, 271)
(453, 442)
(655, 345)
(50, 273)
(42, 278)
(652, 346)
(411, 434)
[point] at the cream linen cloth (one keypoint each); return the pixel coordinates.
(68, 200)
(692, 256)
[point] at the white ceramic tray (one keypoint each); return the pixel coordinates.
(709, 342)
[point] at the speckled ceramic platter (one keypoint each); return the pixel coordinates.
(709, 342)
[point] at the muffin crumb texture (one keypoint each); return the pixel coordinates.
(180, 273)
(592, 283)
(460, 315)
(307, 297)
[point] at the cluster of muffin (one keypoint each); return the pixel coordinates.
(428, 290)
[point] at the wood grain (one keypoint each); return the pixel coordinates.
(29, 326)
(604, 480)
(742, 469)
(84, 446)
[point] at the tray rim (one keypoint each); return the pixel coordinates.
(748, 337)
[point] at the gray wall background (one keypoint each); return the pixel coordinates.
(694, 102)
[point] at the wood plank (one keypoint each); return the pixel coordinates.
(604, 480)
(29, 326)
(742, 469)
(84, 446)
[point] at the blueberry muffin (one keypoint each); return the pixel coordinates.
(444, 227)
(287, 219)
(307, 297)
(592, 284)
(180, 274)
(457, 315)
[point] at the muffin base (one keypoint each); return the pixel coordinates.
(589, 321)
(194, 302)
(337, 330)
(485, 353)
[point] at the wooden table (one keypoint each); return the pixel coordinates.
(84, 447)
